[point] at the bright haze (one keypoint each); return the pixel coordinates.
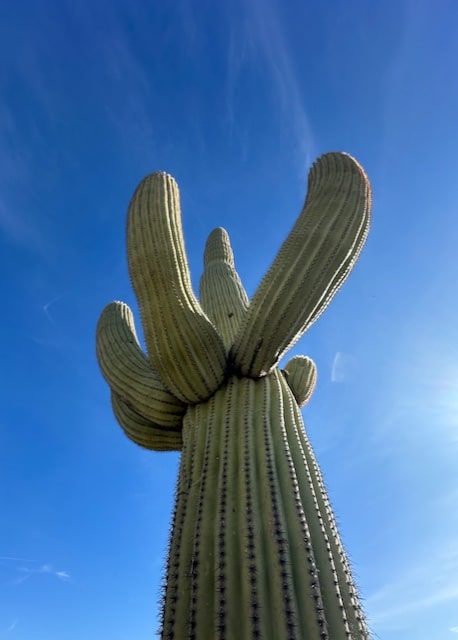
(235, 99)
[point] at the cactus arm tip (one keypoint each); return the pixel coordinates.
(301, 376)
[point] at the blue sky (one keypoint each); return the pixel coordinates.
(235, 99)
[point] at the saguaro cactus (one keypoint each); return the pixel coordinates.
(254, 550)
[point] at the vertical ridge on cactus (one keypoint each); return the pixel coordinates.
(221, 291)
(254, 550)
(144, 432)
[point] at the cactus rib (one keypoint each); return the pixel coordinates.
(144, 432)
(222, 295)
(341, 602)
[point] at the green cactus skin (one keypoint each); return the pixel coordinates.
(128, 371)
(182, 343)
(254, 551)
(301, 374)
(222, 295)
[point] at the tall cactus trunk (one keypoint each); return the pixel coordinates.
(254, 551)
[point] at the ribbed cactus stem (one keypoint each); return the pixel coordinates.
(251, 557)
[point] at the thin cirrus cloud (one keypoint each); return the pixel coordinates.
(28, 572)
(24, 569)
(258, 34)
(343, 367)
(15, 170)
(417, 590)
(122, 84)
(19, 229)
(12, 626)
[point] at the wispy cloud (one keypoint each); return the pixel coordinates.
(343, 367)
(454, 629)
(46, 307)
(64, 575)
(26, 569)
(422, 386)
(12, 626)
(336, 375)
(28, 572)
(417, 589)
(20, 138)
(258, 33)
(126, 92)
(18, 228)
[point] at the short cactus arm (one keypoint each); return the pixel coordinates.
(144, 432)
(128, 371)
(222, 295)
(182, 343)
(301, 376)
(311, 265)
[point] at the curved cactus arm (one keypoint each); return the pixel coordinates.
(128, 371)
(222, 295)
(182, 343)
(301, 376)
(144, 432)
(311, 265)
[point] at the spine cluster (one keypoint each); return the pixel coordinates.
(254, 550)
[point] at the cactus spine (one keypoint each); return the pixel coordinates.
(254, 550)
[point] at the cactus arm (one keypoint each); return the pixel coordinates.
(182, 344)
(222, 295)
(311, 265)
(144, 432)
(301, 375)
(128, 371)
